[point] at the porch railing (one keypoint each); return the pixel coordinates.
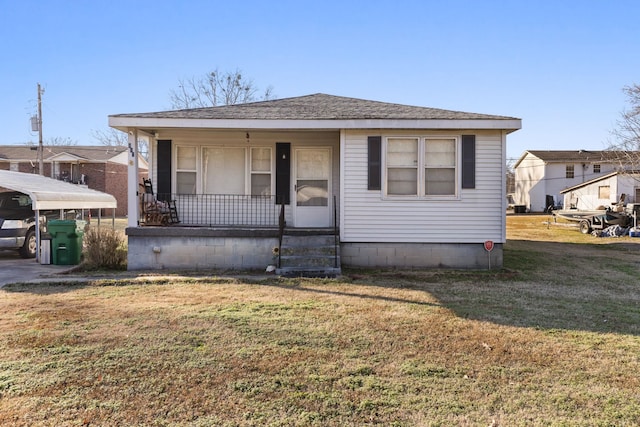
(210, 210)
(336, 236)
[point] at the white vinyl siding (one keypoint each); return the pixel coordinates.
(474, 216)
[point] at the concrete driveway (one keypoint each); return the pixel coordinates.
(14, 269)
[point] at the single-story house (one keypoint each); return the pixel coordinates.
(603, 191)
(101, 168)
(541, 175)
(391, 185)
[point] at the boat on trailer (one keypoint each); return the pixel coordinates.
(576, 214)
(601, 219)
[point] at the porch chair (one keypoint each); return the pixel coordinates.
(154, 211)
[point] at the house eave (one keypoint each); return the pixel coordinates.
(600, 178)
(126, 123)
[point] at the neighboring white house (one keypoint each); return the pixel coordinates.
(604, 191)
(541, 176)
(402, 186)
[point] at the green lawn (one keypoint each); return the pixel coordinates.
(551, 339)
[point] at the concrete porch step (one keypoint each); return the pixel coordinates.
(309, 261)
(309, 254)
(309, 272)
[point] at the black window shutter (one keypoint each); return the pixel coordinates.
(164, 170)
(283, 173)
(375, 162)
(468, 161)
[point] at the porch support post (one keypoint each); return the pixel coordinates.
(504, 186)
(132, 180)
(342, 166)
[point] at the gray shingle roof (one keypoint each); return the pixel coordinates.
(581, 155)
(317, 107)
(97, 153)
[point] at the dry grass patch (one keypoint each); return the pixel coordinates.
(535, 344)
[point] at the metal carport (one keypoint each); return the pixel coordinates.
(49, 193)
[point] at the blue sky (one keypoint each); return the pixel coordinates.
(558, 65)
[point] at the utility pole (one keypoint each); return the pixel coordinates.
(40, 148)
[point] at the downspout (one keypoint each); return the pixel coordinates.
(503, 237)
(342, 167)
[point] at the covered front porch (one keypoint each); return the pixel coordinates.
(226, 199)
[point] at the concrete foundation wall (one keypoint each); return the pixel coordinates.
(161, 248)
(186, 248)
(421, 255)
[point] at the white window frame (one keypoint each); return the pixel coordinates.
(252, 172)
(177, 170)
(422, 141)
(602, 189)
(201, 175)
(199, 170)
(570, 170)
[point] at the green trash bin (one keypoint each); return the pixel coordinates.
(66, 242)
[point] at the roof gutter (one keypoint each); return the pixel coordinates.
(125, 123)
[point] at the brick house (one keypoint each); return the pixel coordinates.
(101, 168)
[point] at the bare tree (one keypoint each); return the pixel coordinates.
(626, 135)
(627, 132)
(216, 88)
(115, 138)
(511, 176)
(111, 137)
(59, 141)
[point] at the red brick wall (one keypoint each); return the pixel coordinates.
(116, 185)
(26, 167)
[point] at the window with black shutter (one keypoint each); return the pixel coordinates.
(468, 161)
(375, 162)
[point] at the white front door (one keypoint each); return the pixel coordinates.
(312, 187)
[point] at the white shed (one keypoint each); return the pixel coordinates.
(603, 191)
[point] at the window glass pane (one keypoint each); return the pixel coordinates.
(604, 192)
(312, 192)
(186, 182)
(402, 181)
(440, 181)
(260, 184)
(186, 158)
(402, 152)
(312, 164)
(440, 152)
(569, 171)
(224, 170)
(261, 159)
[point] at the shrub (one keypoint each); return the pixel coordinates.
(104, 249)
